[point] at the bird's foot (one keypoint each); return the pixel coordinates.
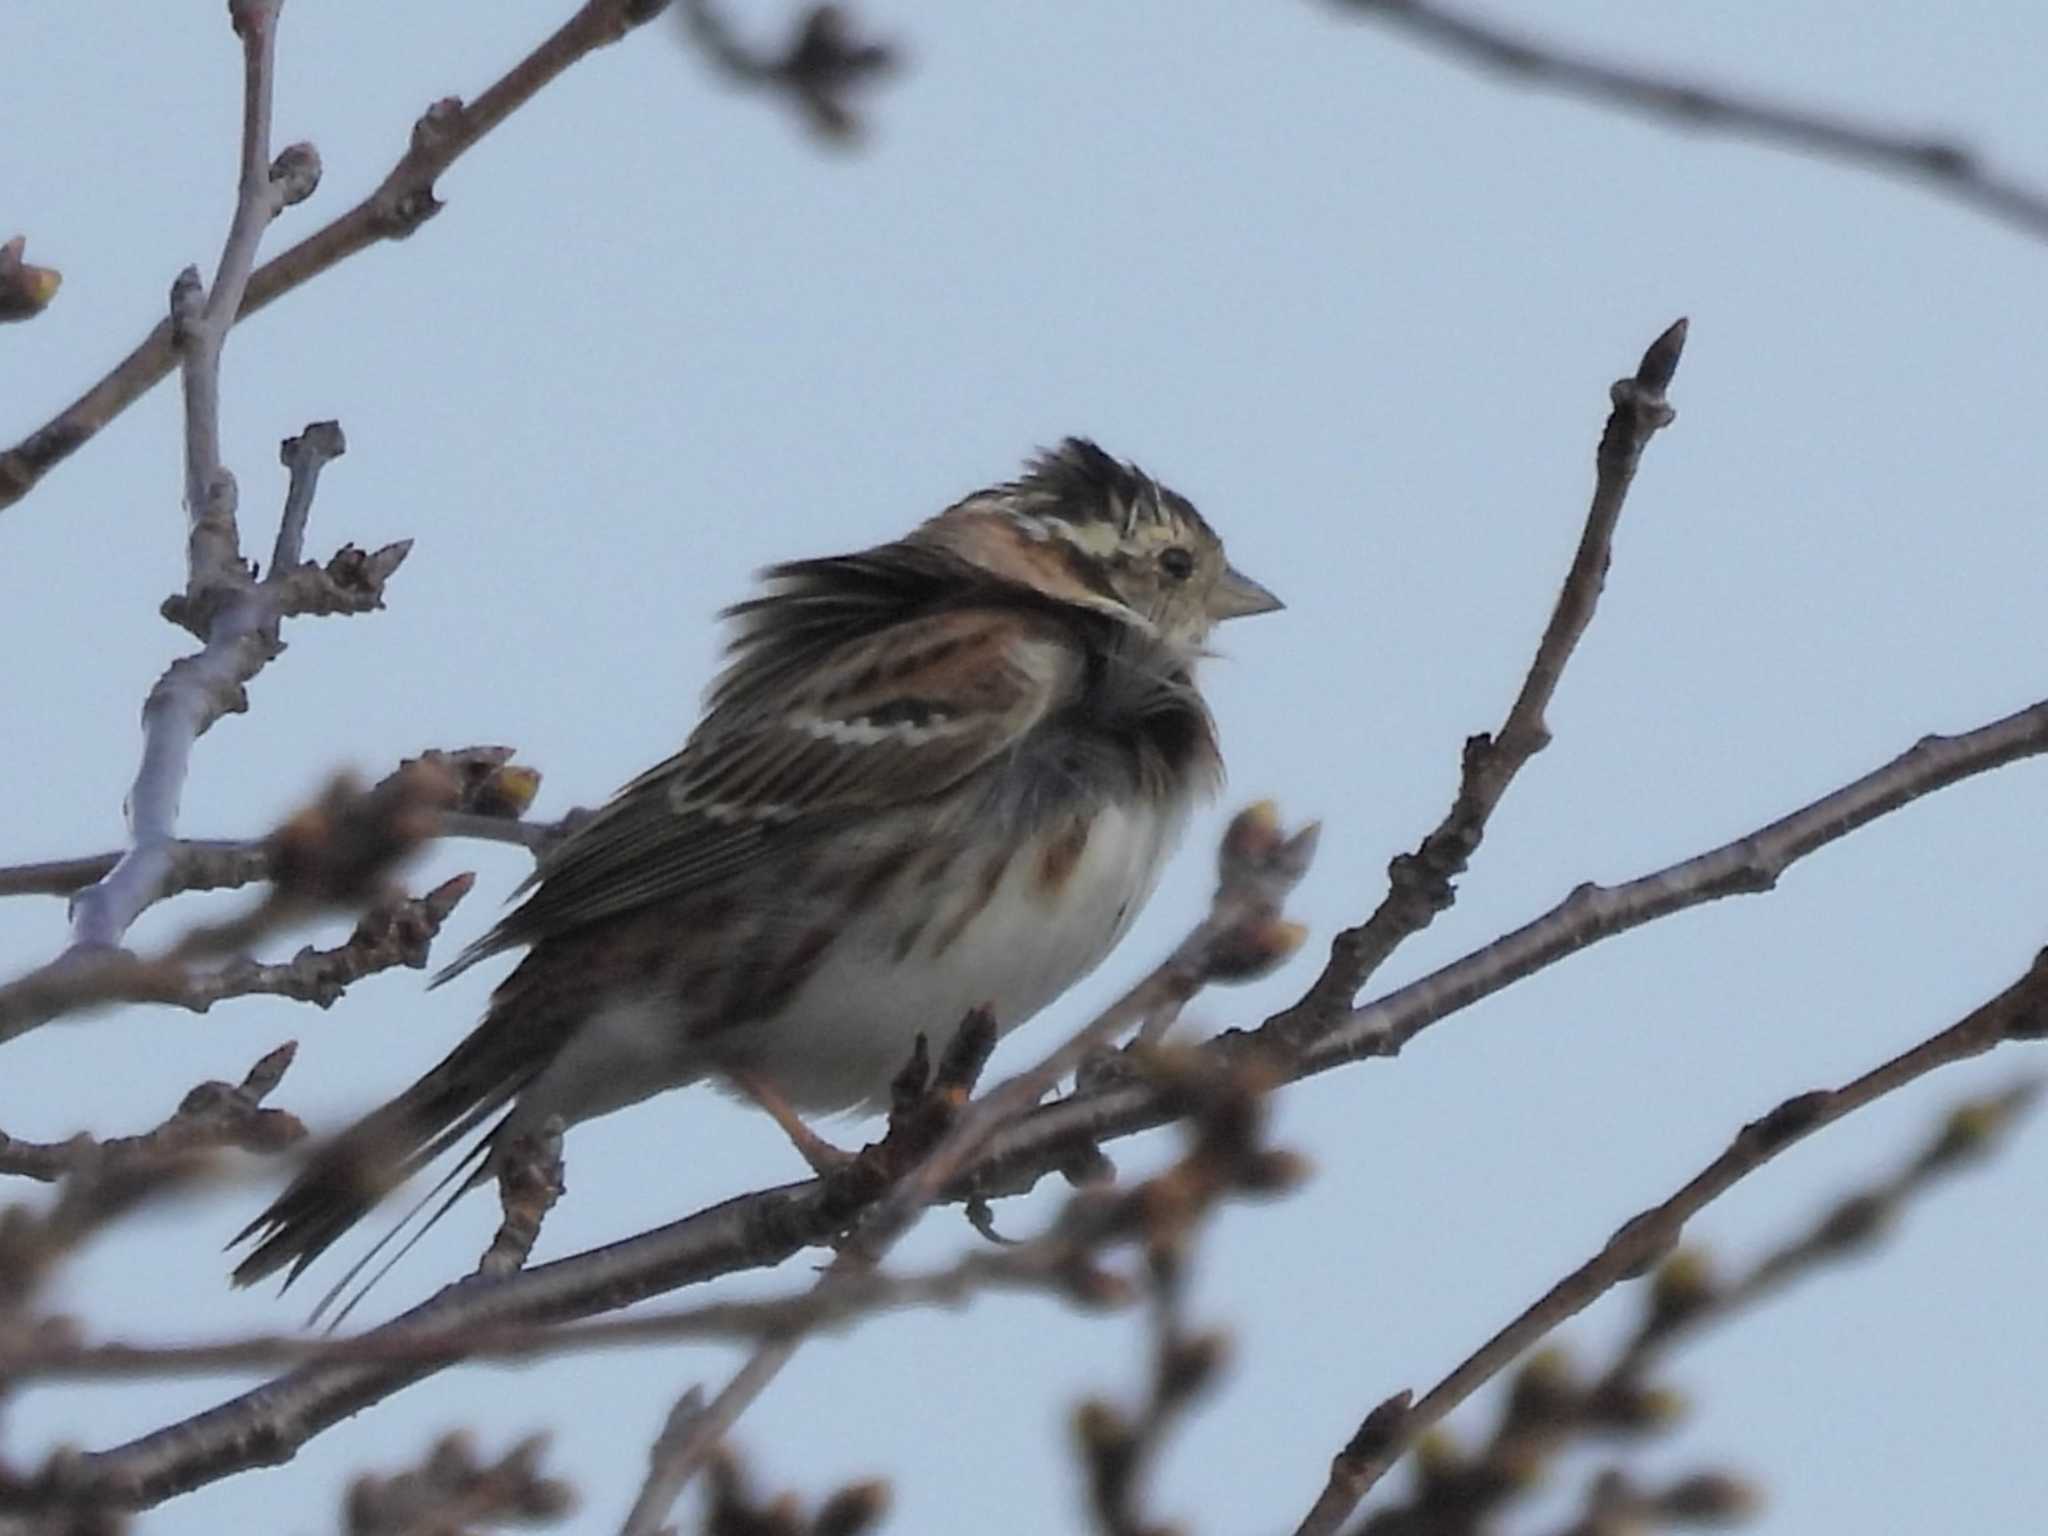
(825, 1158)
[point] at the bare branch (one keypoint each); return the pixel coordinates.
(303, 457)
(400, 204)
(694, 1432)
(1549, 1407)
(491, 794)
(395, 932)
(1687, 1299)
(335, 853)
(392, 933)
(195, 866)
(231, 616)
(1119, 1449)
(25, 291)
(529, 1184)
(1062, 1261)
(212, 1115)
(1939, 164)
(762, 1229)
(1420, 884)
(99, 1180)
(1646, 1239)
(199, 326)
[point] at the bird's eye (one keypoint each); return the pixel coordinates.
(1178, 563)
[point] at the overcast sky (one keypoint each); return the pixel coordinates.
(1363, 307)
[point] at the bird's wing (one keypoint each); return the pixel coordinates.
(885, 718)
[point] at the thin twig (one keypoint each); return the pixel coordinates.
(403, 201)
(695, 1431)
(2018, 1013)
(1420, 884)
(303, 458)
(235, 617)
(529, 1184)
(336, 854)
(1119, 1449)
(1226, 1157)
(393, 932)
(1550, 1408)
(764, 1228)
(390, 934)
(492, 794)
(1688, 1300)
(1053, 1263)
(212, 1115)
(1942, 165)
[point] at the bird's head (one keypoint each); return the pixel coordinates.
(1084, 528)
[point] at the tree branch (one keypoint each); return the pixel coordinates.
(492, 793)
(1550, 1408)
(212, 1115)
(764, 1228)
(1941, 165)
(1646, 1239)
(403, 201)
(759, 1230)
(1420, 884)
(336, 853)
(235, 617)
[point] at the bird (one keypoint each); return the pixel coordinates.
(935, 775)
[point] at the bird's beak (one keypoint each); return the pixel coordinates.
(1237, 596)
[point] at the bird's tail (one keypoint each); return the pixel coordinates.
(347, 1177)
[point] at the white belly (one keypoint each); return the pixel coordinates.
(851, 1027)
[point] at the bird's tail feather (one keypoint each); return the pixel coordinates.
(465, 1176)
(346, 1178)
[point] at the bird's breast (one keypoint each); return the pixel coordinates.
(973, 920)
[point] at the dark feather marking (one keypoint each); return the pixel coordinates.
(779, 981)
(984, 893)
(878, 876)
(1061, 854)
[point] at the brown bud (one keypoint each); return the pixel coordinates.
(508, 792)
(1189, 1363)
(1254, 948)
(1253, 834)
(1438, 1456)
(852, 1509)
(1546, 1390)
(1272, 1172)
(1102, 1431)
(1858, 1220)
(24, 290)
(1635, 1407)
(1685, 1285)
(1969, 1131)
(1709, 1496)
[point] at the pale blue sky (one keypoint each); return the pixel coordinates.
(1363, 307)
